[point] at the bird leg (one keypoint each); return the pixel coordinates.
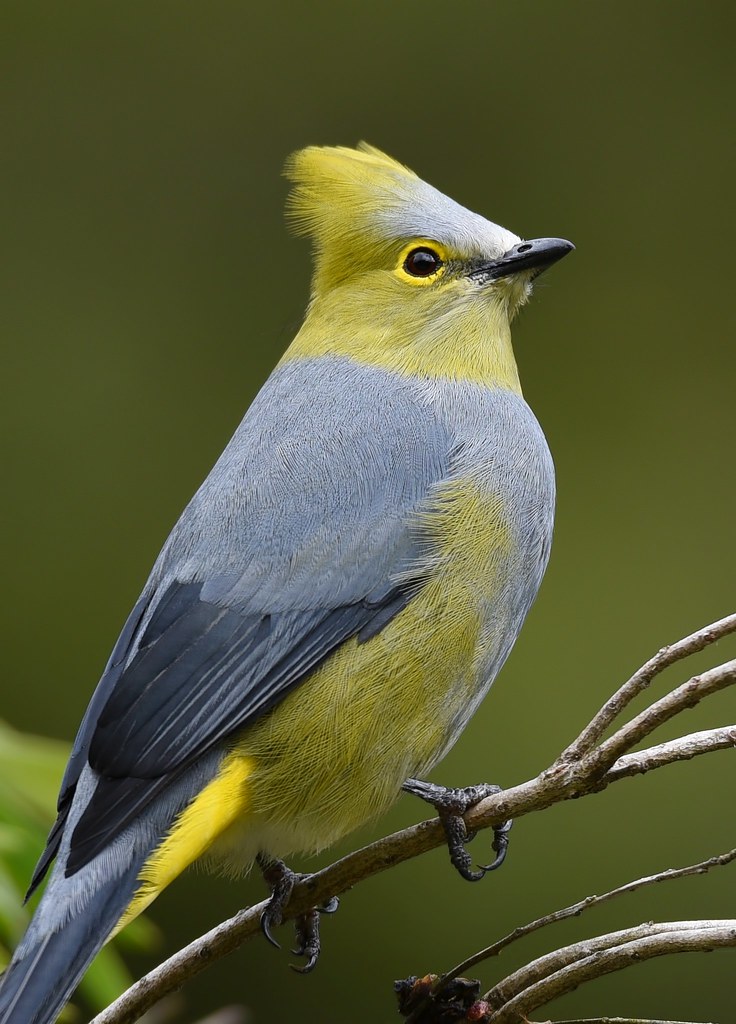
(451, 805)
(281, 881)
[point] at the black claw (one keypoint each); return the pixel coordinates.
(308, 941)
(500, 845)
(451, 805)
(330, 907)
(457, 836)
(282, 881)
(266, 923)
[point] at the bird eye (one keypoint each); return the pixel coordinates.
(422, 262)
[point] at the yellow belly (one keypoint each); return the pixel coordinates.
(334, 753)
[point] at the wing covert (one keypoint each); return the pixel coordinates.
(292, 545)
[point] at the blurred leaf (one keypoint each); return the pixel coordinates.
(30, 770)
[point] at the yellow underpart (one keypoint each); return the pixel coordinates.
(334, 753)
(219, 804)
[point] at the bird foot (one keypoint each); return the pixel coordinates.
(281, 881)
(451, 805)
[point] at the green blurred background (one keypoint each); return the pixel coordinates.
(149, 285)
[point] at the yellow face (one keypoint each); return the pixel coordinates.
(416, 309)
(427, 263)
(404, 277)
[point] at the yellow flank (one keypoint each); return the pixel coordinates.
(220, 803)
(342, 743)
(336, 753)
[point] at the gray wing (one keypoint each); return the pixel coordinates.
(293, 544)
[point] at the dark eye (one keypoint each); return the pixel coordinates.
(422, 262)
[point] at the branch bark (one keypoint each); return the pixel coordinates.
(564, 970)
(623, 1020)
(663, 659)
(682, 749)
(576, 909)
(583, 768)
(682, 697)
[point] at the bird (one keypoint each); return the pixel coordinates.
(338, 596)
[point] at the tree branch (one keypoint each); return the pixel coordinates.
(687, 695)
(641, 679)
(622, 1020)
(566, 778)
(560, 972)
(682, 749)
(575, 909)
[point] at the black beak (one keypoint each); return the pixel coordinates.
(537, 254)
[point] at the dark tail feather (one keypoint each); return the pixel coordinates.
(36, 985)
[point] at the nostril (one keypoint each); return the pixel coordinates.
(525, 247)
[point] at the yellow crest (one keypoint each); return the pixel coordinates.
(343, 198)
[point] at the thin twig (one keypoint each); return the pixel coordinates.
(552, 963)
(575, 909)
(687, 695)
(566, 969)
(682, 749)
(621, 1020)
(643, 676)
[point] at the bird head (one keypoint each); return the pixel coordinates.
(404, 275)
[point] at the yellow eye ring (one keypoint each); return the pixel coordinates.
(421, 263)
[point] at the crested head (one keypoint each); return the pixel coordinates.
(360, 206)
(404, 276)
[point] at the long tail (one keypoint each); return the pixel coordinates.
(78, 913)
(47, 967)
